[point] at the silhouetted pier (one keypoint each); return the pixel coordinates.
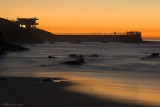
(126, 37)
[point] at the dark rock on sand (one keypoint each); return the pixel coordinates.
(55, 80)
(76, 62)
(48, 80)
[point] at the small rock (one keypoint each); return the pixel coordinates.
(51, 56)
(94, 55)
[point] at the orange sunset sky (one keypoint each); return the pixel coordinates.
(74, 16)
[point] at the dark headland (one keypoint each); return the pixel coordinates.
(13, 33)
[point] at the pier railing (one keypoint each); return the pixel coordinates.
(115, 33)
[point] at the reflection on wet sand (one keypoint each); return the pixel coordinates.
(135, 94)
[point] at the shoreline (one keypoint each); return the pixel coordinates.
(30, 92)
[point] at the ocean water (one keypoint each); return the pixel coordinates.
(117, 62)
(114, 58)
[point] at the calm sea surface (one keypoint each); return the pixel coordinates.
(115, 59)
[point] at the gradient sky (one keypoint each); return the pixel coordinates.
(88, 15)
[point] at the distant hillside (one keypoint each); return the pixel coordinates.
(14, 34)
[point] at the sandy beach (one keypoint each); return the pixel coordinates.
(31, 92)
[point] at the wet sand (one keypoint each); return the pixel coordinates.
(30, 92)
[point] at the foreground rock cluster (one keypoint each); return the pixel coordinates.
(4, 46)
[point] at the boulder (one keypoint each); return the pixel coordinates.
(15, 47)
(73, 55)
(76, 56)
(155, 55)
(4, 46)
